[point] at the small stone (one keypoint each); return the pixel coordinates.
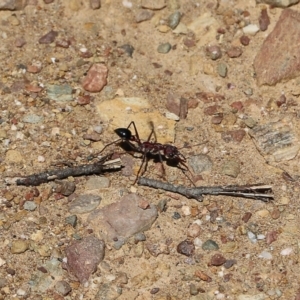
(49, 37)
(95, 4)
(64, 187)
(251, 29)
(59, 92)
(164, 48)
(203, 276)
(245, 40)
(265, 255)
(32, 119)
(246, 217)
(97, 182)
(19, 246)
(143, 15)
(217, 260)
(231, 168)
(250, 122)
(84, 203)
(210, 245)
(128, 49)
(186, 210)
(174, 19)
(72, 220)
(233, 135)
(193, 290)
(194, 230)
(264, 20)
(157, 248)
(286, 251)
(30, 205)
(222, 69)
(154, 291)
(263, 213)
(214, 52)
(96, 78)
(234, 52)
(176, 215)
(186, 248)
(271, 236)
(229, 263)
(63, 288)
(153, 4)
(200, 163)
(275, 213)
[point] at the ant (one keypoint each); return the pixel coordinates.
(169, 152)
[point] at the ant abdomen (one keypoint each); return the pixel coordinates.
(123, 133)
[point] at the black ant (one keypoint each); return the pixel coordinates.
(169, 152)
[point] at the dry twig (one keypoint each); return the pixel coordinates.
(103, 165)
(256, 192)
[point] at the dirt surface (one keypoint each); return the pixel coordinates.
(217, 117)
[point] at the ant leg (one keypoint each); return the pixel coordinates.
(106, 146)
(144, 161)
(136, 132)
(184, 171)
(162, 165)
(152, 132)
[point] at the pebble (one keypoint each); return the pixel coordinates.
(234, 52)
(95, 4)
(210, 245)
(186, 248)
(143, 15)
(271, 236)
(97, 182)
(19, 246)
(214, 52)
(252, 297)
(153, 4)
(30, 205)
(249, 122)
(59, 93)
(245, 40)
(72, 220)
(266, 255)
(84, 256)
(233, 135)
(264, 20)
(174, 19)
(96, 78)
(231, 168)
(252, 237)
(217, 260)
(84, 203)
(49, 37)
(200, 163)
(64, 187)
(229, 263)
(63, 288)
(193, 289)
(156, 249)
(203, 276)
(194, 230)
(128, 49)
(32, 119)
(222, 69)
(164, 48)
(186, 210)
(251, 29)
(286, 251)
(246, 217)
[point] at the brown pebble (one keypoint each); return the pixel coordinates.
(238, 105)
(189, 42)
(20, 42)
(194, 230)
(245, 40)
(211, 110)
(49, 37)
(95, 4)
(271, 236)
(84, 100)
(63, 43)
(217, 260)
(186, 248)
(281, 100)
(217, 119)
(33, 69)
(234, 52)
(11, 271)
(227, 277)
(95, 79)
(264, 20)
(154, 291)
(246, 217)
(214, 52)
(275, 213)
(233, 135)
(202, 276)
(143, 204)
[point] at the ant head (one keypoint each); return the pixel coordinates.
(123, 133)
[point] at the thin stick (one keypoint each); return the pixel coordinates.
(83, 170)
(256, 192)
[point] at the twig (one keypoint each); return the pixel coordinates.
(103, 165)
(257, 192)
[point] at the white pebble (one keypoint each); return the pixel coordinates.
(265, 255)
(98, 128)
(252, 237)
(41, 158)
(186, 210)
(205, 150)
(251, 29)
(55, 131)
(127, 4)
(14, 127)
(286, 251)
(172, 116)
(197, 242)
(21, 292)
(2, 262)
(20, 136)
(261, 236)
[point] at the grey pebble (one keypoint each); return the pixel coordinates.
(140, 237)
(143, 15)
(72, 220)
(63, 288)
(97, 182)
(249, 122)
(59, 92)
(200, 163)
(210, 245)
(84, 203)
(32, 119)
(222, 69)
(29, 205)
(174, 19)
(128, 49)
(231, 168)
(164, 48)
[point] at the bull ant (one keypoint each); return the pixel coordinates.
(148, 148)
